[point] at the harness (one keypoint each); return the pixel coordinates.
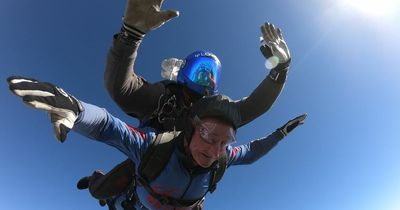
(170, 109)
(168, 116)
(154, 162)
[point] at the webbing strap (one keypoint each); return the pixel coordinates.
(166, 200)
(155, 160)
(157, 156)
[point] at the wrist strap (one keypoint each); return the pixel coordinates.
(131, 33)
(279, 73)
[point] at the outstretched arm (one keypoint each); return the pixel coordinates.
(249, 153)
(276, 51)
(96, 123)
(123, 85)
(68, 113)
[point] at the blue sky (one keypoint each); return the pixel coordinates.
(344, 74)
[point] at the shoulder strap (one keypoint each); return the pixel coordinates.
(218, 173)
(157, 156)
(154, 161)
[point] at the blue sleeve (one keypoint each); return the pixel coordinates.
(96, 123)
(249, 153)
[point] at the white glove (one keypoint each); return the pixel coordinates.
(62, 108)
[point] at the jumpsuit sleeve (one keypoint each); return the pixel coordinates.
(133, 94)
(260, 100)
(96, 123)
(254, 150)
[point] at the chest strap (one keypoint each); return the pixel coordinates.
(167, 200)
(155, 160)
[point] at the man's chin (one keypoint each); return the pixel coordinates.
(204, 164)
(203, 161)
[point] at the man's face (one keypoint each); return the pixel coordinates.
(209, 141)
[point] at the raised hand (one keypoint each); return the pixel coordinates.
(142, 16)
(273, 46)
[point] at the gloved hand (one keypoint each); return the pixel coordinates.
(292, 124)
(273, 46)
(170, 68)
(62, 107)
(142, 16)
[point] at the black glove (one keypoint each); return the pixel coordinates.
(292, 124)
(62, 107)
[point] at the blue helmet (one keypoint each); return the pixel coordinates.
(200, 72)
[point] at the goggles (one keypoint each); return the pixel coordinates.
(207, 132)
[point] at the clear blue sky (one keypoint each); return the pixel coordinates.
(344, 74)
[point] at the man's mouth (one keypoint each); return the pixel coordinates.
(206, 156)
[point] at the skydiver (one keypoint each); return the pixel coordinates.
(161, 105)
(196, 152)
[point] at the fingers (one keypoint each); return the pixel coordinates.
(48, 104)
(57, 132)
(59, 105)
(159, 3)
(270, 32)
(60, 131)
(62, 121)
(265, 33)
(168, 15)
(296, 122)
(39, 102)
(279, 32)
(300, 118)
(16, 79)
(61, 126)
(27, 89)
(292, 124)
(21, 86)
